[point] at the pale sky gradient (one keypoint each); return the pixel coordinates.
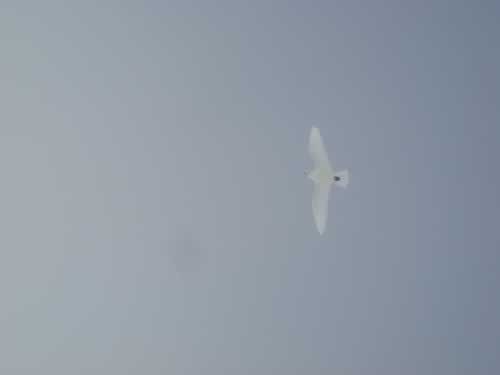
(155, 214)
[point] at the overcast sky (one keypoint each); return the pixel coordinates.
(155, 214)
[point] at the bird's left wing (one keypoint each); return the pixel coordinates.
(320, 199)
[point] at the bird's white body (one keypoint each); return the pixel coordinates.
(323, 177)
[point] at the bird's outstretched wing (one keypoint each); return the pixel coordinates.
(317, 150)
(320, 205)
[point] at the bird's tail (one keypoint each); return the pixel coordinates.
(342, 179)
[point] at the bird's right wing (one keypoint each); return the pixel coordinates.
(320, 205)
(317, 150)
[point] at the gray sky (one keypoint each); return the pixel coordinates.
(155, 215)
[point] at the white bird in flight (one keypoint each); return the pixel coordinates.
(323, 177)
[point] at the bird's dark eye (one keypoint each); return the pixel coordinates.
(336, 178)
